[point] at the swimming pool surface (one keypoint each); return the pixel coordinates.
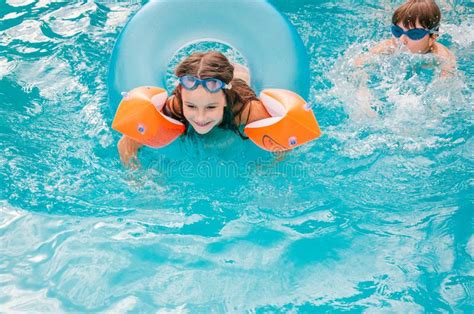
(376, 215)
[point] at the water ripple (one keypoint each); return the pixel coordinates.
(374, 215)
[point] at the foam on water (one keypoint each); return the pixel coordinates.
(376, 214)
(388, 100)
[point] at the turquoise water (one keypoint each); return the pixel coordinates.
(374, 216)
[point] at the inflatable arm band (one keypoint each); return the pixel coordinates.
(292, 123)
(140, 117)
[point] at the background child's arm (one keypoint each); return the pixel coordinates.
(383, 47)
(447, 58)
(363, 96)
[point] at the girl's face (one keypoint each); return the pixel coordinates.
(417, 46)
(202, 109)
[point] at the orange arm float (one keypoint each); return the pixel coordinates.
(292, 123)
(139, 116)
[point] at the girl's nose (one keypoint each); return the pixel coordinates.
(201, 115)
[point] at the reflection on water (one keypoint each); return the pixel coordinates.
(376, 213)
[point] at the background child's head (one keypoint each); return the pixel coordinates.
(423, 14)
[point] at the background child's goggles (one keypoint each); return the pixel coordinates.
(413, 34)
(212, 85)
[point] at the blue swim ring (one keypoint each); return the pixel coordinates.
(270, 44)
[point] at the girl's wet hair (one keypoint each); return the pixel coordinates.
(213, 64)
(426, 12)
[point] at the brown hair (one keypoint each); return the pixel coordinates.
(214, 64)
(426, 12)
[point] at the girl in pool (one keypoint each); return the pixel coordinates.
(415, 25)
(211, 92)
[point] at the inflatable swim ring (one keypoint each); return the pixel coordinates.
(271, 46)
(275, 55)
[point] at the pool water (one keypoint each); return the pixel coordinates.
(376, 215)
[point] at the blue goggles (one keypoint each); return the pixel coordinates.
(413, 34)
(212, 85)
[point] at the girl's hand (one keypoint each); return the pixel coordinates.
(128, 149)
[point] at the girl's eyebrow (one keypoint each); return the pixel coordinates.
(209, 104)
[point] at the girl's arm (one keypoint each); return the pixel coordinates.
(241, 72)
(128, 147)
(253, 111)
(128, 150)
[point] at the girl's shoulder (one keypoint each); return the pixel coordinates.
(253, 111)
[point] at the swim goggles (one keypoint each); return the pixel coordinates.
(413, 34)
(212, 85)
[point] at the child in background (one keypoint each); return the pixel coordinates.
(415, 24)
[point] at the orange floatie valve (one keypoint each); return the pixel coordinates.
(292, 122)
(140, 117)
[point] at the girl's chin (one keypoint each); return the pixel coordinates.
(202, 129)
